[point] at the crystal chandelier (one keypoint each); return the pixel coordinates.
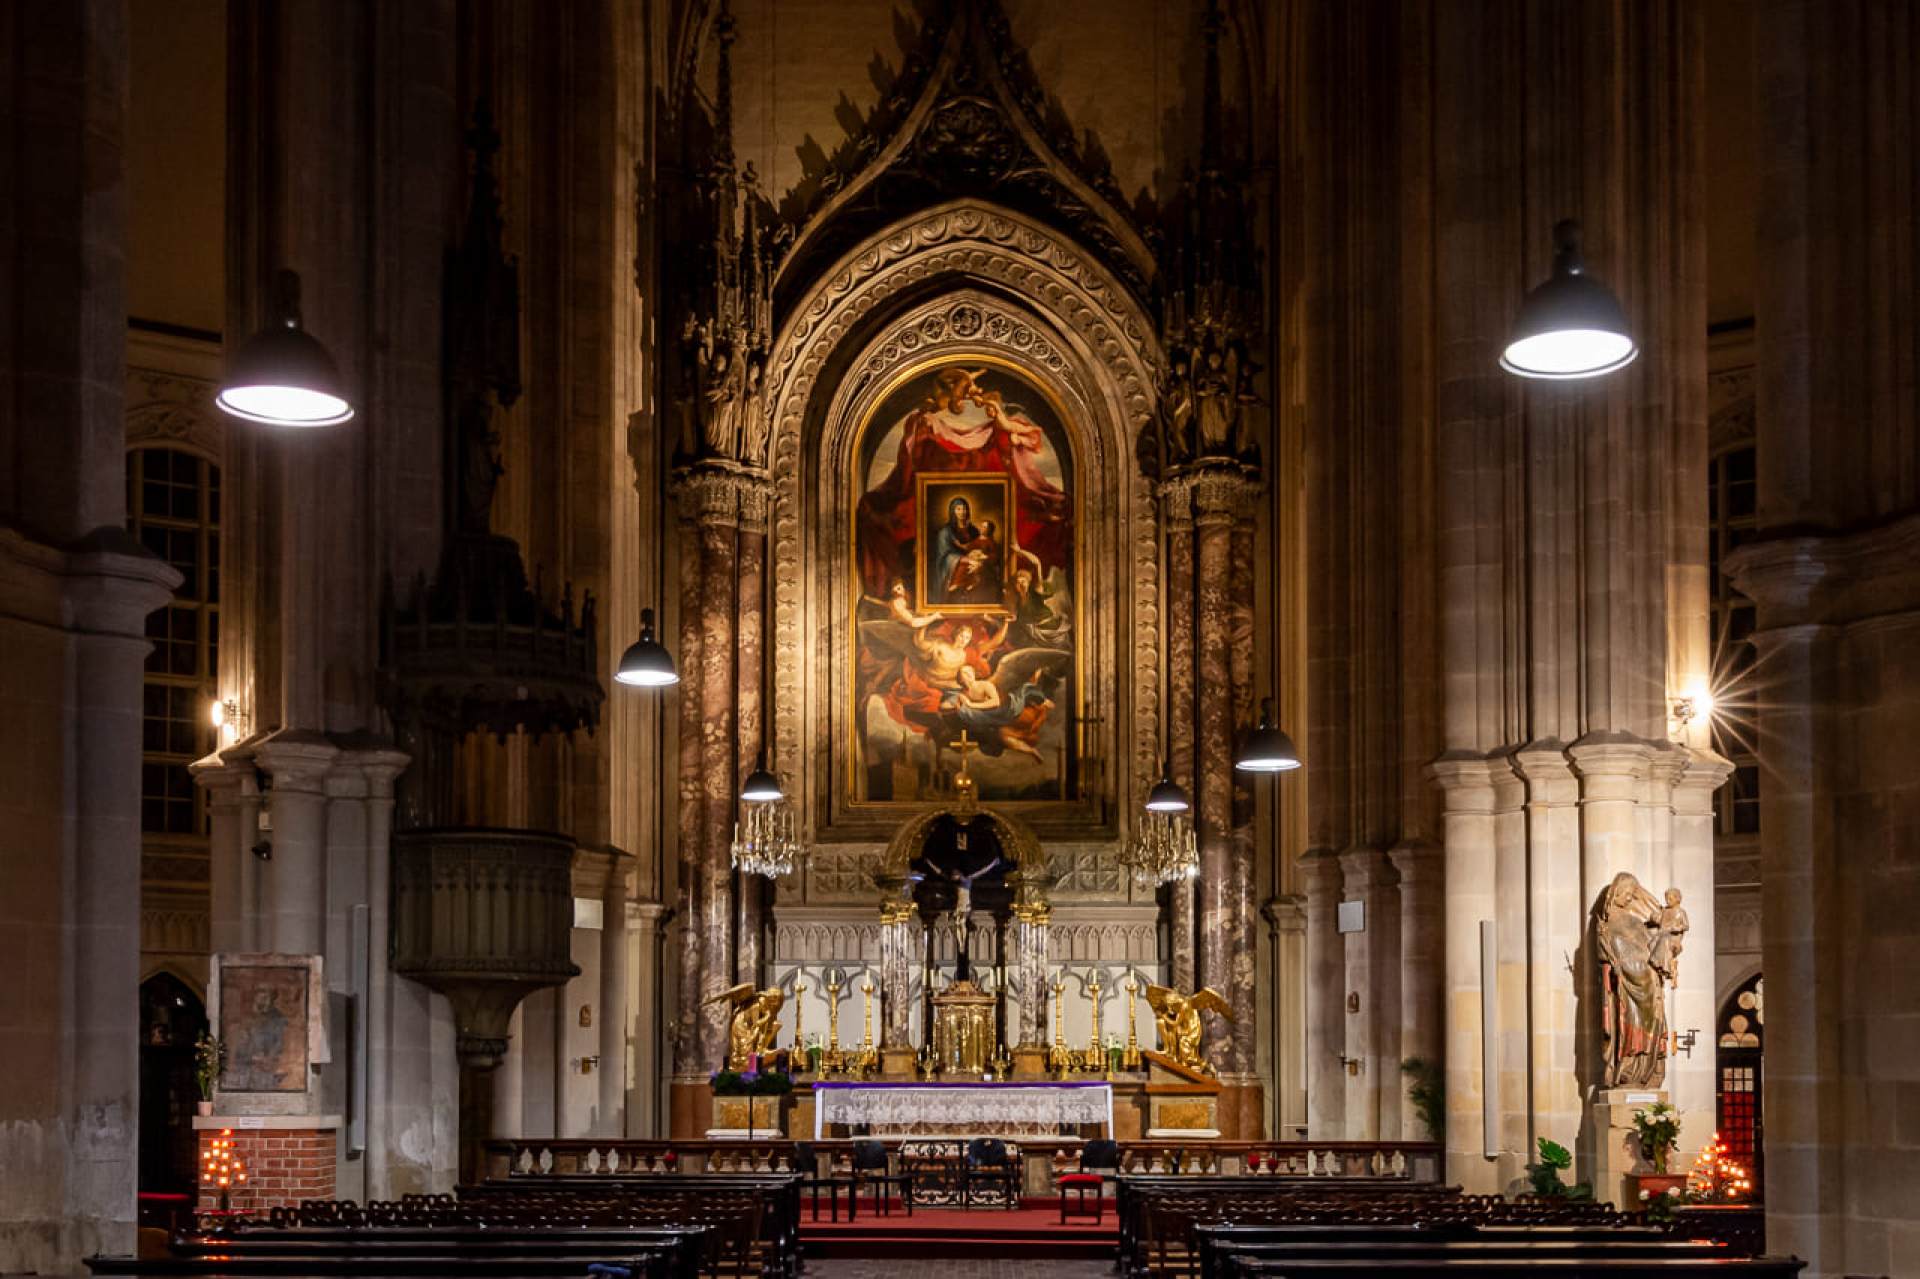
(1164, 850)
(768, 841)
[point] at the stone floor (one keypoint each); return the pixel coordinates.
(955, 1268)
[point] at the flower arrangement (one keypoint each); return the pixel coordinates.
(1660, 1206)
(1716, 1179)
(1658, 1128)
(209, 1054)
(750, 1083)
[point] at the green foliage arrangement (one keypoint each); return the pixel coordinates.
(1545, 1175)
(1428, 1093)
(208, 1056)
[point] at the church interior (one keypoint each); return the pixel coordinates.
(1155, 637)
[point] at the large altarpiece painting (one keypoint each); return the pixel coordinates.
(964, 588)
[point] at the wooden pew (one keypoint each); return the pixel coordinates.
(1555, 1268)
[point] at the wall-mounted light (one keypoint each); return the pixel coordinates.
(227, 718)
(646, 663)
(1572, 326)
(282, 376)
(761, 786)
(1695, 703)
(1684, 1041)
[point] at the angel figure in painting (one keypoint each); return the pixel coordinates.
(1177, 1017)
(896, 607)
(755, 1021)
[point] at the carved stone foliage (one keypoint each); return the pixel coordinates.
(1015, 289)
(169, 410)
(1086, 872)
(841, 874)
(967, 116)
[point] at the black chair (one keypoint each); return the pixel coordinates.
(1096, 1159)
(989, 1162)
(871, 1167)
(807, 1161)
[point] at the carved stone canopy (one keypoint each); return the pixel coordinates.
(968, 117)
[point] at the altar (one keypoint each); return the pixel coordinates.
(1011, 1109)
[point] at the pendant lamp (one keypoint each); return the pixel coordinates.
(646, 664)
(1267, 749)
(1572, 326)
(761, 786)
(282, 376)
(1166, 795)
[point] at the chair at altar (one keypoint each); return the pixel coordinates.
(991, 1165)
(1096, 1159)
(806, 1159)
(872, 1167)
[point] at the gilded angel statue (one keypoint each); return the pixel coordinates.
(1178, 1019)
(755, 1021)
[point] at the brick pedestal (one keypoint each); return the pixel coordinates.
(287, 1158)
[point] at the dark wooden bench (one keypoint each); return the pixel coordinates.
(1214, 1241)
(1440, 1267)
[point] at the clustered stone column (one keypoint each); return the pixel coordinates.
(723, 508)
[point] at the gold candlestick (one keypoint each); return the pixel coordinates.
(799, 1005)
(866, 1039)
(1059, 1059)
(1094, 1048)
(1131, 1060)
(833, 1021)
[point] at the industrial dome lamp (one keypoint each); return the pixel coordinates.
(646, 664)
(761, 786)
(1166, 795)
(1267, 749)
(282, 376)
(1572, 326)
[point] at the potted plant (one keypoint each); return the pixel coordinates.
(1427, 1093)
(1657, 1127)
(815, 1051)
(1544, 1176)
(208, 1056)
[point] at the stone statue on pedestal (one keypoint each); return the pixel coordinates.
(1638, 939)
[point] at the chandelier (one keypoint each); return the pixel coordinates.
(768, 841)
(1164, 850)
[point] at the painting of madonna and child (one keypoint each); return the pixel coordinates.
(964, 580)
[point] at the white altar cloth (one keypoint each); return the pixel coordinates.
(1016, 1105)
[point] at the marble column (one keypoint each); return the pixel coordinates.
(754, 495)
(1422, 968)
(690, 960)
(1225, 911)
(1325, 998)
(1176, 519)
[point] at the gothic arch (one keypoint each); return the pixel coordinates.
(914, 292)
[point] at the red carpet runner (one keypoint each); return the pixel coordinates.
(1031, 1231)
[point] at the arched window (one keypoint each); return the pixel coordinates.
(1740, 1038)
(173, 507)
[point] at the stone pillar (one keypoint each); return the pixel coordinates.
(645, 1074)
(1467, 825)
(1326, 999)
(1176, 519)
(1288, 916)
(1422, 968)
(611, 1103)
(1694, 1002)
(72, 626)
(381, 767)
(716, 516)
(297, 763)
(228, 778)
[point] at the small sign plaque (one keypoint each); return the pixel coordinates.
(1351, 917)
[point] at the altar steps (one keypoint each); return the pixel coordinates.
(1033, 1230)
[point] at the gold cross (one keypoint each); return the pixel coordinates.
(963, 746)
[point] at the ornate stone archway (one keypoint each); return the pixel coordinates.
(964, 278)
